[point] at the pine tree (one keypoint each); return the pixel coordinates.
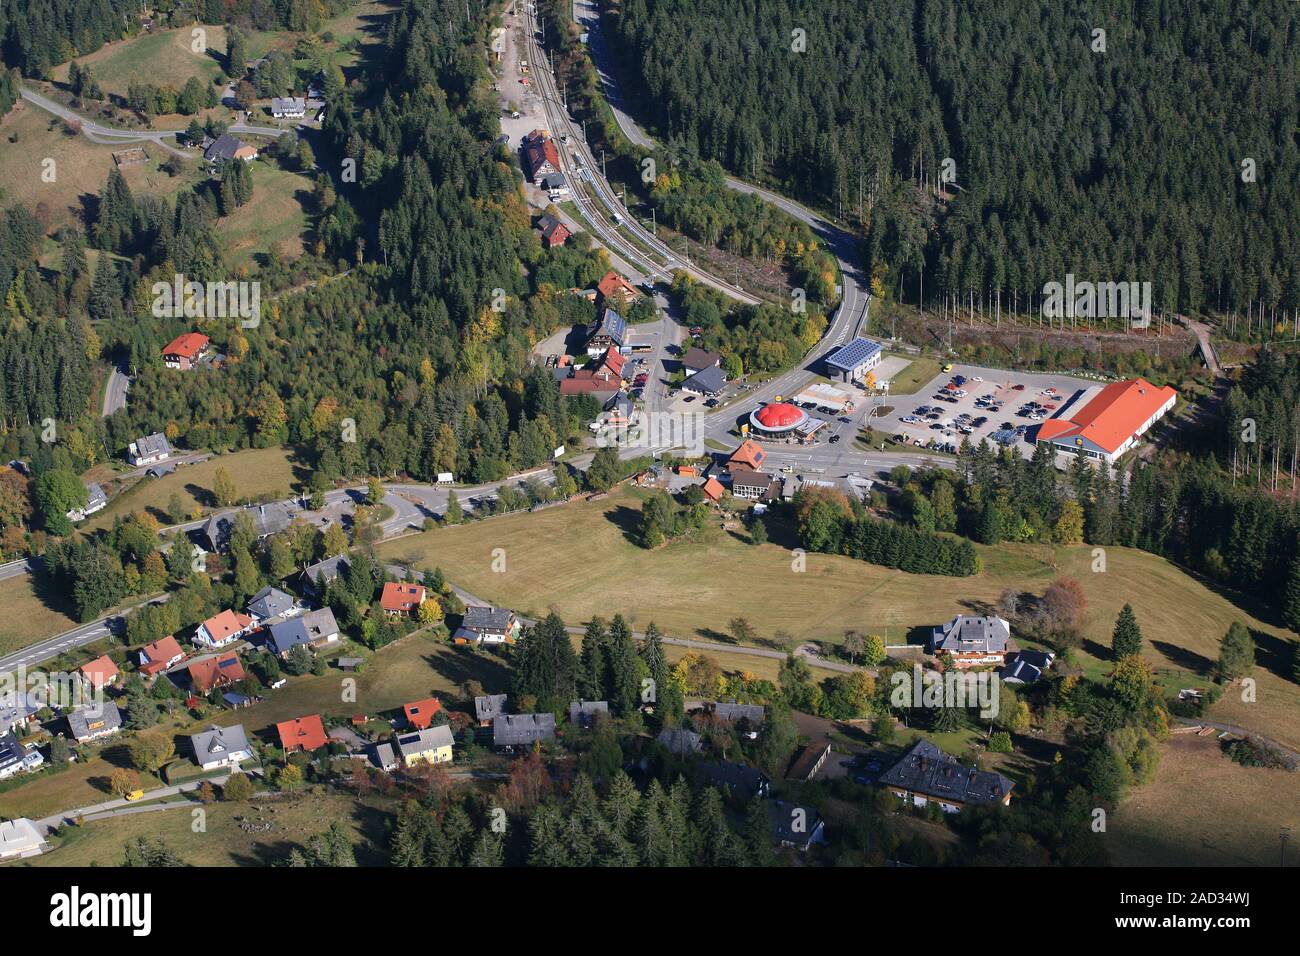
(1236, 653)
(624, 686)
(1127, 637)
(1291, 598)
(592, 661)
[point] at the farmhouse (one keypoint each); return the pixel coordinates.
(1106, 421)
(302, 733)
(221, 747)
(970, 641)
(747, 483)
(522, 730)
(148, 450)
(713, 490)
(87, 723)
(185, 351)
(433, 745)
(925, 773)
(852, 362)
(400, 599)
(222, 629)
(488, 708)
(487, 625)
(749, 455)
(226, 147)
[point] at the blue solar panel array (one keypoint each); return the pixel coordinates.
(854, 354)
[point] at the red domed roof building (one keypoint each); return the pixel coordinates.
(777, 419)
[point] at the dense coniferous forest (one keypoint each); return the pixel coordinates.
(1123, 164)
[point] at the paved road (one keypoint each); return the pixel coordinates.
(115, 391)
(18, 568)
(120, 806)
(104, 135)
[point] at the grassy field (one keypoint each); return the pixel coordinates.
(168, 58)
(294, 820)
(1204, 810)
(26, 619)
(913, 378)
(274, 220)
(29, 136)
(580, 560)
(255, 471)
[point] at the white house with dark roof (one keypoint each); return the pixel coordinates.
(926, 774)
(488, 708)
(221, 747)
(96, 500)
(522, 730)
(89, 723)
(487, 625)
(272, 602)
(149, 449)
(972, 641)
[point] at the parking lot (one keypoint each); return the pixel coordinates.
(976, 403)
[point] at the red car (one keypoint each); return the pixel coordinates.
(1017, 388)
(640, 380)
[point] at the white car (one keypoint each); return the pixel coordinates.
(977, 378)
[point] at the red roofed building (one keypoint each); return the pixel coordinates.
(713, 490)
(749, 455)
(605, 376)
(224, 628)
(302, 733)
(1106, 422)
(554, 232)
(220, 671)
(160, 655)
(100, 673)
(401, 599)
(540, 156)
(419, 714)
(613, 287)
(184, 351)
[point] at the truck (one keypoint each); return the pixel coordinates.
(135, 795)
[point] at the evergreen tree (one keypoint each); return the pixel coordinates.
(1236, 653)
(1127, 637)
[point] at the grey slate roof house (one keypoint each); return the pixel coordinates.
(413, 745)
(521, 730)
(285, 636)
(708, 381)
(488, 708)
(226, 147)
(87, 723)
(736, 778)
(318, 575)
(487, 625)
(583, 712)
(724, 710)
(17, 710)
(221, 747)
(149, 449)
(1025, 667)
(96, 500)
(680, 741)
(268, 519)
(796, 826)
(322, 628)
(926, 773)
(271, 602)
(697, 359)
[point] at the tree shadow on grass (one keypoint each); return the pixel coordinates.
(202, 495)
(460, 667)
(1184, 658)
(1273, 653)
(627, 520)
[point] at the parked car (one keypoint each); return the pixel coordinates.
(834, 439)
